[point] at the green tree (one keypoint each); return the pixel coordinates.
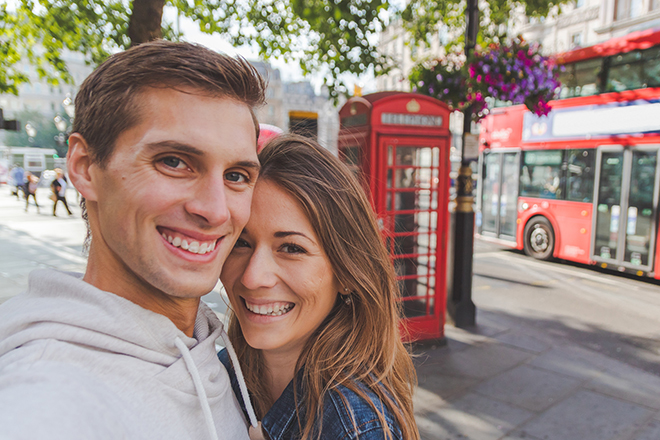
(328, 38)
(334, 38)
(423, 18)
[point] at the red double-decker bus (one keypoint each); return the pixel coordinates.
(581, 184)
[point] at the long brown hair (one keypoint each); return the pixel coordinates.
(357, 342)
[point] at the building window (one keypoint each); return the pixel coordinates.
(628, 9)
(655, 4)
(576, 40)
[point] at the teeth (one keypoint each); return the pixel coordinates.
(193, 247)
(275, 309)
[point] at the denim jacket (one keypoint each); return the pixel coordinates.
(281, 421)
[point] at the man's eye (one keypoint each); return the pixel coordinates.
(173, 162)
(237, 177)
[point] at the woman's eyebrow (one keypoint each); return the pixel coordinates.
(284, 234)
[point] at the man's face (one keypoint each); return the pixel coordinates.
(174, 195)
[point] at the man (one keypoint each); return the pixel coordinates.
(163, 151)
(17, 174)
(58, 186)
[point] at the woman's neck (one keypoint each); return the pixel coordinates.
(282, 368)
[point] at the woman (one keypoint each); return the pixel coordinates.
(314, 311)
(31, 186)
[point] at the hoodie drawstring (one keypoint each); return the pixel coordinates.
(197, 381)
(241, 380)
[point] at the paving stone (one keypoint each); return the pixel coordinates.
(471, 417)
(528, 387)
(520, 435)
(524, 341)
(446, 387)
(588, 416)
(651, 431)
(634, 386)
(568, 361)
(481, 362)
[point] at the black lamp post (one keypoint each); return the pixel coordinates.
(460, 306)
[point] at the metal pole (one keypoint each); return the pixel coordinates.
(460, 306)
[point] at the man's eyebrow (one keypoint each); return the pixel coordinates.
(173, 145)
(248, 164)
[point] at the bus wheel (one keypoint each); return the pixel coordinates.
(539, 239)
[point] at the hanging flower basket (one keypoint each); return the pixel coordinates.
(516, 73)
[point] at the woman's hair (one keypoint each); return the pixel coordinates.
(358, 341)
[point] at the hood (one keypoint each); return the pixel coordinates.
(62, 306)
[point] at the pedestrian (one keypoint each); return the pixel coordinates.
(17, 175)
(58, 186)
(31, 185)
(164, 154)
(314, 303)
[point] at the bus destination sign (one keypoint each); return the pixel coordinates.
(408, 119)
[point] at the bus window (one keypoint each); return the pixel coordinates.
(625, 72)
(541, 174)
(580, 175)
(587, 75)
(652, 67)
(580, 78)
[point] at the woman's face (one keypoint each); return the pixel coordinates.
(278, 278)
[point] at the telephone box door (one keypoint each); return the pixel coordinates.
(412, 206)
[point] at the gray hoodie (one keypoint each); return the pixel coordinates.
(80, 363)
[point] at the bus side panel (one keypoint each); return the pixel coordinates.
(656, 265)
(571, 222)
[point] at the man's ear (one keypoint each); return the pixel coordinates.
(78, 164)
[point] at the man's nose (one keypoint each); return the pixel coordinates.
(210, 200)
(261, 270)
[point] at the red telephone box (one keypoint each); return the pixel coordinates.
(398, 145)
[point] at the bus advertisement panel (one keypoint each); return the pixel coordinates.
(581, 184)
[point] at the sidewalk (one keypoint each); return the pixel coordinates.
(506, 381)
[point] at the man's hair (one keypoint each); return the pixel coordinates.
(357, 342)
(108, 102)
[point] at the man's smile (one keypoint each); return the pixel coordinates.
(194, 244)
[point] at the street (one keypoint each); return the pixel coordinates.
(559, 352)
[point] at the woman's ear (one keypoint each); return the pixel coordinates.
(78, 163)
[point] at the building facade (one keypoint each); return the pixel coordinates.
(282, 98)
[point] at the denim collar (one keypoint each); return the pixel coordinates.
(281, 421)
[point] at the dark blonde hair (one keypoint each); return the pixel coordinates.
(357, 342)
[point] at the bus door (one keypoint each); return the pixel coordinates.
(625, 206)
(499, 194)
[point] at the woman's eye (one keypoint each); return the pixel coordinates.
(237, 177)
(291, 248)
(240, 243)
(173, 162)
